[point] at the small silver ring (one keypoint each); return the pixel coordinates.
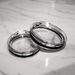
(16, 36)
(50, 27)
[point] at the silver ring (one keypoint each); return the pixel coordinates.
(53, 29)
(19, 36)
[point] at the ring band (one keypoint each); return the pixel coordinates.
(19, 35)
(48, 26)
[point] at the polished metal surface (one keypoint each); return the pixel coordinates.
(18, 44)
(54, 30)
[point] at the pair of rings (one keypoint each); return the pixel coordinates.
(42, 35)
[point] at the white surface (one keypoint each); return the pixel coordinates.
(19, 15)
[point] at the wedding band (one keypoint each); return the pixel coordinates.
(50, 27)
(19, 39)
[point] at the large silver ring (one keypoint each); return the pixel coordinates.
(17, 45)
(54, 30)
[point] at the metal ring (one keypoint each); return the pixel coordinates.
(48, 26)
(19, 35)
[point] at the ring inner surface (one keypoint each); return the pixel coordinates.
(23, 45)
(49, 37)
